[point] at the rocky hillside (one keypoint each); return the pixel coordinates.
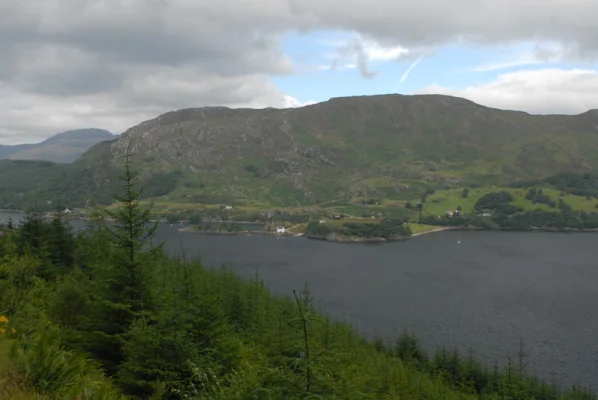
(384, 146)
(64, 147)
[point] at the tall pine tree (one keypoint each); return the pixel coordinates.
(124, 281)
(131, 232)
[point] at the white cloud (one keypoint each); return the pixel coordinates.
(376, 52)
(540, 53)
(291, 102)
(329, 67)
(542, 91)
(507, 64)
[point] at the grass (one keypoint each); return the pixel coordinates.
(421, 228)
(445, 200)
(436, 204)
(9, 387)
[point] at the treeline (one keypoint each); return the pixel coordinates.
(105, 314)
(466, 374)
(57, 186)
(222, 214)
(387, 228)
(585, 184)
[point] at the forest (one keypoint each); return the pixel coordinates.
(105, 313)
(387, 228)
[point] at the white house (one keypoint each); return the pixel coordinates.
(280, 230)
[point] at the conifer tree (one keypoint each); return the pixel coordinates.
(133, 226)
(124, 292)
(131, 232)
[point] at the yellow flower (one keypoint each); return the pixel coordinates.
(2, 330)
(3, 319)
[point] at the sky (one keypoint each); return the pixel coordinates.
(111, 64)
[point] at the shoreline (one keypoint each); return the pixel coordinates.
(335, 238)
(435, 230)
(237, 233)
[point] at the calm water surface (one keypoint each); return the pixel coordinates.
(483, 293)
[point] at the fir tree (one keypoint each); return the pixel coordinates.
(124, 290)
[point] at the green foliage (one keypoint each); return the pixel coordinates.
(497, 202)
(28, 185)
(39, 361)
(160, 184)
(111, 322)
(387, 228)
(585, 184)
(18, 278)
(213, 335)
(537, 196)
(317, 229)
(124, 293)
(408, 349)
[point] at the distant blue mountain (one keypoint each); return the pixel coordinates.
(64, 147)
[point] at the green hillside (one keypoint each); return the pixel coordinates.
(64, 147)
(389, 147)
(446, 200)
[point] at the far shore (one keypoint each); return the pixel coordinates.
(440, 229)
(339, 238)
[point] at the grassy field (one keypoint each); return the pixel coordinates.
(445, 200)
(421, 228)
(436, 204)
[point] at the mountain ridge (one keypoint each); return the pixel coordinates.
(64, 147)
(385, 146)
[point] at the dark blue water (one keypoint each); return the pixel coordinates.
(483, 293)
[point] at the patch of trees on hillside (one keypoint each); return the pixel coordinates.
(579, 184)
(498, 202)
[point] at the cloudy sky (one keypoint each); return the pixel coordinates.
(111, 64)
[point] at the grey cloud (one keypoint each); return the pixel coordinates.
(59, 70)
(435, 22)
(111, 63)
(354, 51)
